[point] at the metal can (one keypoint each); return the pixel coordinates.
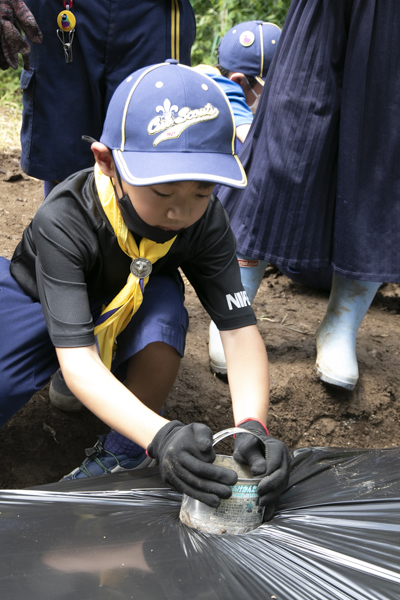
(241, 513)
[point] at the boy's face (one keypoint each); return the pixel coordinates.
(170, 206)
(251, 93)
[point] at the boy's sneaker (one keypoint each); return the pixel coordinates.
(61, 396)
(102, 462)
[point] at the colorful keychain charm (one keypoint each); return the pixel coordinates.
(66, 22)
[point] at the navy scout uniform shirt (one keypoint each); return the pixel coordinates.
(69, 259)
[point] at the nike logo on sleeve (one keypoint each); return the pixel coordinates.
(240, 300)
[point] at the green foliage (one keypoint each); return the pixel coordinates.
(9, 86)
(215, 17)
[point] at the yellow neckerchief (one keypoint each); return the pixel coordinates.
(126, 303)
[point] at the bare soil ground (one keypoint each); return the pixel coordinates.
(40, 443)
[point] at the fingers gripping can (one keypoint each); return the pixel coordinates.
(241, 513)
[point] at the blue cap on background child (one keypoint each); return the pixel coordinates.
(168, 123)
(249, 48)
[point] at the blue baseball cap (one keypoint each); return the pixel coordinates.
(169, 123)
(249, 48)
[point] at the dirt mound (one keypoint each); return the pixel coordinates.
(40, 444)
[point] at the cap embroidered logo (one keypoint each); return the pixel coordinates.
(166, 122)
(172, 126)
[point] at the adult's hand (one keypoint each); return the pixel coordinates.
(185, 454)
(15, 17)
(250, 450)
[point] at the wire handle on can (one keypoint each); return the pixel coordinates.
(221, 435)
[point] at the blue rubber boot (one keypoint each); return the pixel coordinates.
(251, 272)
(336, 336)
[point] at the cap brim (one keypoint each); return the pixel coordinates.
(145, 168)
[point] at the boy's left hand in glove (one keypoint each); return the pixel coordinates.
(185, 454)
(14, 17)
(250, 451)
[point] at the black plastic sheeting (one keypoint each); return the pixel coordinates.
(336, 536)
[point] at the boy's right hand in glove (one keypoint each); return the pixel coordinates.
(185, 454)
(14, 17)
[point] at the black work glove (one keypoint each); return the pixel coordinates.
(14, 17)
(250, 451)
(185, 454)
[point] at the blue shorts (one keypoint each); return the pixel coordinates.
(62, 102)
(27, 355)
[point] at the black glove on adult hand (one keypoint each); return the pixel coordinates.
(250, 450)
(14, 17)
(185, 454)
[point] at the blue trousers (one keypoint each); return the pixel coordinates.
(63, 101)
(27, 355)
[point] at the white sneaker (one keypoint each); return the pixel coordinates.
(216, 351)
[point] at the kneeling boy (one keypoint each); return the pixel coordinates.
(94, 288)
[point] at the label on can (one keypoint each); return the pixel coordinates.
(244, 491)
(241, 508)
